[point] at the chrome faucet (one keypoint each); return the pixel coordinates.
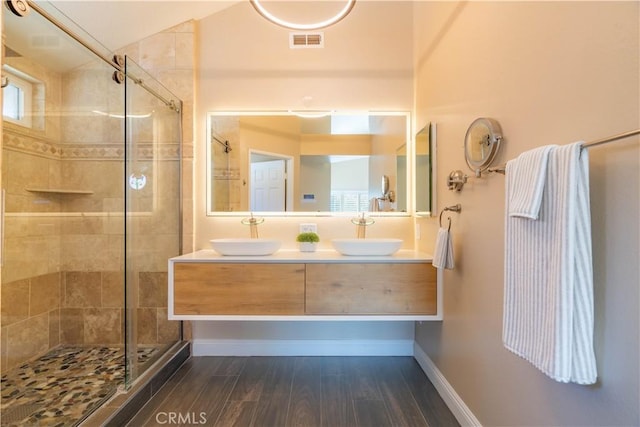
(361, 224)
(252, 222)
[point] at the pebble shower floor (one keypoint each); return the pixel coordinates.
(63, 386)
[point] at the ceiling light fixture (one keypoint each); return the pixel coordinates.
(302, 27)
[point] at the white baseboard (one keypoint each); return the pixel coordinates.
(456, 405)
(214, 347)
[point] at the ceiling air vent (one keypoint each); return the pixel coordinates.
(306, 40)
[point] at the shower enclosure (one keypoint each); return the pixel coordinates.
(91, 213)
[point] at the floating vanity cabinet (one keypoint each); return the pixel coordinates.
(293, 285)
(371, 289)
(238, 289)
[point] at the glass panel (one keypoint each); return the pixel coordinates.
(424, 176)
(63, 272)
(153, 225)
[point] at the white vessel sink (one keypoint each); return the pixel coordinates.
(357, 247)
(254, 247)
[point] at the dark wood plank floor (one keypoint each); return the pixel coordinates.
(297, 391)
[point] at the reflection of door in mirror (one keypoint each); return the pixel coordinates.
(267, 184)
(424, 161)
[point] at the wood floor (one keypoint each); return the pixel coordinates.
(297, 391)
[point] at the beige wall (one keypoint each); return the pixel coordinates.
(244, 63)
(366, 64)
(549, 72)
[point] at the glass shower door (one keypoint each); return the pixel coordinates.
(63, 270)
(153, 215)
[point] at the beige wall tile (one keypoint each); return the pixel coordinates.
(185, 27)
(113, 289)
(147, 326)
(25, 257)
(82, 289)
(27, 339)
(3, 349)
(102, 326)
(180, 82)
(83, 225)
(54, 328)
(15, 301)
(45, 293)
(184, 50)
(114, 260)
(152, 289)
(71, 326)
(19, 169)
(85, 252)
(157, 51)
(168, 330)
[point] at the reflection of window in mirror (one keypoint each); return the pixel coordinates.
(334, 183)
(424, 143)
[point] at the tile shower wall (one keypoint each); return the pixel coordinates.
(63, 278)
(170, 56)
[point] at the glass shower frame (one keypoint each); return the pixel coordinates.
(70, 208)
(153, 224)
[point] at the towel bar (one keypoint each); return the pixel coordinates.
(502, 169)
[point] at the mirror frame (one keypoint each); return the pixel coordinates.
(409, 173)
(431, 131)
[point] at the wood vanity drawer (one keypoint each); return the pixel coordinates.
(252, 289)
(396, 288)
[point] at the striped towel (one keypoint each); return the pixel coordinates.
(527, 174)
(548, 298)
(443, 254)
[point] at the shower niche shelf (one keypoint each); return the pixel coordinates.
(59, 191)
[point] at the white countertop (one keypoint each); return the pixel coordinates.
(295, 256)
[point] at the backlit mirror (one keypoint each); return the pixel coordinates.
(425, 164)
(282, 163)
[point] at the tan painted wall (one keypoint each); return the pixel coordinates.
(244, 63)
(549, 72)
(366, 64)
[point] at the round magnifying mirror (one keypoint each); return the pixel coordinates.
(385, 185)
(481, 144)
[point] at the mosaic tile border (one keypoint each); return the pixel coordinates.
(107, 151)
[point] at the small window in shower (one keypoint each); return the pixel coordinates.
(17, 98)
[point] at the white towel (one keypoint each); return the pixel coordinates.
(443, 256)
(527, 177)
(374, 205)
(548, 299)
